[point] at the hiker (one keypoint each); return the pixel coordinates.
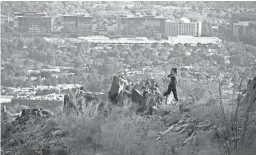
(172, 85)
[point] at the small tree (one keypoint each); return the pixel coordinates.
(54, 81)
(47, 82)
(219, 59)
(28, 83)
(155, 45)
(39, 81)
(78, 62)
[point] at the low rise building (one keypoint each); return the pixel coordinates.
(183, 27)
(195, 40)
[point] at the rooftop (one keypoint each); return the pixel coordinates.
(29, 13)
(182, 20)
(185, 20)
(94, 38)
(77, 14)
(141, 16)
(244, 23)
(194, 40)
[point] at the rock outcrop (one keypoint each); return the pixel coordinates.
(78, 100)
(137, 96)
(34, 111)
(118, 85)
(145, 95)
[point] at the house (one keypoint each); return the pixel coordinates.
(34, 72)
(56, 70)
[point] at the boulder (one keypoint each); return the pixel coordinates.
(145, 101)
(45, 112)
(34, 111)
(137, 96)
(149, 103)
(146, 94)
(117, 86)
(25, 112)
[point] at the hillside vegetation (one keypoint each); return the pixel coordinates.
(210, 127)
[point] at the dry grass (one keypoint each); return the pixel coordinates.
(28, 151)
(238, 134)
(124, 132)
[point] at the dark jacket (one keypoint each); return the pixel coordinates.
(173, 79)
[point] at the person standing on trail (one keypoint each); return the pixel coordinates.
(172, 85)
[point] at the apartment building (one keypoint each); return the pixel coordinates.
(143, 26)
(236, 18)
(33, 24)
(245, 31)
(240, 29)
(183, 27)
(79, 25)
(252, 33)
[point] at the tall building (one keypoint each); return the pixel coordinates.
(143, 26)
(245, 31)
(33, 24)
(252, 33)
(236, 18)
(183, 27)
(240, 29)
(80, 25)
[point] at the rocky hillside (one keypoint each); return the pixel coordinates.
(131, 119)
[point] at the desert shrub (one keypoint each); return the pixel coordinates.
(193, 90)
(50, 125)
(123, 132)
(88, 133)
(85, 131)
(129, 135)
(205, 112)
(238, 126)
